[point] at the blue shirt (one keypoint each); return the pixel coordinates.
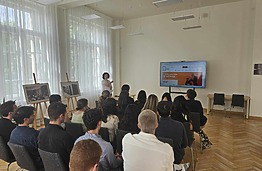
(108, 158)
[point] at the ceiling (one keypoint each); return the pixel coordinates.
(130, 9)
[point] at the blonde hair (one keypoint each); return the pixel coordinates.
(151, 103)
(84, 155)
(148, 121)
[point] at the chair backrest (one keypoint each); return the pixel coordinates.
(166, 140)
(52, 161)
(189, 133)
(195, 119)
(22, 156)
(5, 152)
(119, 136)
(74, 129)
(219, 99)
(46, 121)
(237, 100)
(103, 132)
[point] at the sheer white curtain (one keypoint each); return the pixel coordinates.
(28, 44)
(89, 50)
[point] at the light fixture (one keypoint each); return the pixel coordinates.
(135, 34)
(48, 2)
(161, 3)
(192, 27)
(184, 17)
(117, 27)
(91, 17)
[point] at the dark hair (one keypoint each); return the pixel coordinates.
(105, 94)
(81, 103)
(55, 110)
(23, 112)
(91, 118)
(7, 107)
(179, 106)
(167, 95)
(164, 108)
(54, 98)
(141, 97)
(104, 74)
(130, 119)
(125, 87)
(123, 100)
(109, 108)
(191, 94)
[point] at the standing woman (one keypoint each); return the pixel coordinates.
(151, 103)
(106, 84)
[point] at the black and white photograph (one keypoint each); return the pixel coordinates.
(70, 89)
(35, 93)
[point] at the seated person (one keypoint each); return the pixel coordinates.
(26, 136)
(85, 156)
(141, 100)
(6, 111)
(52, 99)
(54, 138)
(169, 128)
(109, 118)
(92, 119)
(105, 94)
(144, 151)
(82, 105)
(179, 111)
(129, 121)
(166, 97)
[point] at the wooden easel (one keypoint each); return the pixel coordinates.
(70, 100)
(38, 106)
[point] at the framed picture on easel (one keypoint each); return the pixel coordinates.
(35, 93)
(70, 89)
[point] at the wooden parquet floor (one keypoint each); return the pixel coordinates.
(237, 145)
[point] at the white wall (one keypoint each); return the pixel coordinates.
(225, 41)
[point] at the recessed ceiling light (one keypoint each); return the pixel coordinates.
(117, 27)
(135, 34)
(184, 17)
(161, 3)
(48, 2)
(91, 17)
(192, 27)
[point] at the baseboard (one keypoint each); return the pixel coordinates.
(255, 118)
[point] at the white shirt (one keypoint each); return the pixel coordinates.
(112, 125)
(144, 152)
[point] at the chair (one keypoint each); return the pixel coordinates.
(103, 132)
(219, 99)
(237, 101)
(191, 144)
(46, 121)
(74, 129)
(119, 137)
(52, 161)
(22, 156)
(5, 153)
(166, 140)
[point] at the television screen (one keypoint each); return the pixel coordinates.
(188, 74)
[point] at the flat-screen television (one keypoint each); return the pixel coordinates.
(188, 74)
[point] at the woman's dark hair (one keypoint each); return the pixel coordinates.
(105, 73)
(191, 94)
(109, 107)
(125, 87)
(167, 95)
(129, 121)
(81, 103)
(123, 100)
(141, 97)
(179, 105)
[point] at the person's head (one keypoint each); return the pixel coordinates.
(54, 98)
(85, 156)
(7, 108)
(105, 94)
(191, 94)
(141, 97)
(151, 103)
(56, 112)
(92, 119)
(123, 99)
(131, 113)
(125, 87)
(109, 108)
(179, 105)
(164, 108)
(82, 104)
(24, 115)
(147, 121)
(166, 97)
(105, 75)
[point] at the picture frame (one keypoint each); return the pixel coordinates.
(35, 93)
(70, 89)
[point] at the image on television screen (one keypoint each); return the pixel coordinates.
(189, 74)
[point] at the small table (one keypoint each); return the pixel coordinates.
(210, 98)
